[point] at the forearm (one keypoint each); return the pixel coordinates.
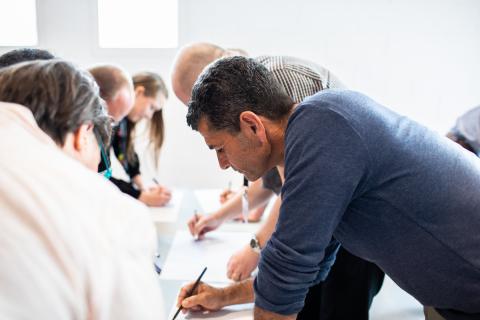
(238, 293)
(138, 181)
(257, 196)
(261, 314)
(266, 230)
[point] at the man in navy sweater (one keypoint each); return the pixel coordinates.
(388, 189)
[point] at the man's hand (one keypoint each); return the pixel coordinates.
(204, 298)
(242, 263)
(225, 195)
(199, 224)
(156, 196)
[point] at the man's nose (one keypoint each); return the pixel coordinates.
(223, 161)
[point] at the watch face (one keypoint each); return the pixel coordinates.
(253, 243)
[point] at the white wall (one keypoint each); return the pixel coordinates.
(418, 57)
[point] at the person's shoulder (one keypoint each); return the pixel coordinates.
(280, 62)
(334, 104)
(472, 113)
(328, 99)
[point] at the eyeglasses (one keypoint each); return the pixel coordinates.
(107, 173)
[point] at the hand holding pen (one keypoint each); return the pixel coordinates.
(226, 194)
(189, 293)
(156, 196)
(199, 225)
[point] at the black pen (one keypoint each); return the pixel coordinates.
(156, 181)
(195, 285)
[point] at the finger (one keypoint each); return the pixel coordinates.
(191, 225)
(183, 294)
(204, 231)
(165, 198)
(200, 226)
(194, 301)
(230, 268)
(243, 276)
(230, 274)
(201, 236)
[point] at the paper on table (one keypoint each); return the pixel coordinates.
(188, 257)
(169, 212)
(237, 312)
(209, 199)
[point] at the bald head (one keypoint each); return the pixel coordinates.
(190, 62)
(116, 89)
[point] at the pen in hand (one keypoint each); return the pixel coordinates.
(195, 215)
(189, 294)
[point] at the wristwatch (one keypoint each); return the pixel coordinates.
(255, 245)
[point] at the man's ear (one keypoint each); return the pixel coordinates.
(253, 124)
(140, 90)
(80, 137)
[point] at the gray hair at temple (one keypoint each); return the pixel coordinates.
(232, 85)
(61, 97)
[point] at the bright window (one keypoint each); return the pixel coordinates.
(18, 23)
(137, 23)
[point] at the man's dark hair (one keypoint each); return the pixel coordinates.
(60, 96)
(22, 55)
(230, 86)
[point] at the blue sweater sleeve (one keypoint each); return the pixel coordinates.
(325, 166)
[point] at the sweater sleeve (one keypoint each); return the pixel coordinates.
(126, 187)
(325, 164)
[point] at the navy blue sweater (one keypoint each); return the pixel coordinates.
(389, 190)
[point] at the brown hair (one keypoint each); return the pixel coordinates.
(110, 79)
(60, 96)
(153, 85)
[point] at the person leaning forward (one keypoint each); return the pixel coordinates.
(381, 184)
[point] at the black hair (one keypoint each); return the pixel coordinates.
(230, 86)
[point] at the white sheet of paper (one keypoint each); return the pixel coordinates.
(209, 199)
(168, 213)
(187, 257)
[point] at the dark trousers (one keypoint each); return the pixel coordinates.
(347, 293)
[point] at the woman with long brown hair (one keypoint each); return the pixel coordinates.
(151, 95)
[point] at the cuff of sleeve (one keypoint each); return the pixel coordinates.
(133, 172)
(279, 306)
(126, 187)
